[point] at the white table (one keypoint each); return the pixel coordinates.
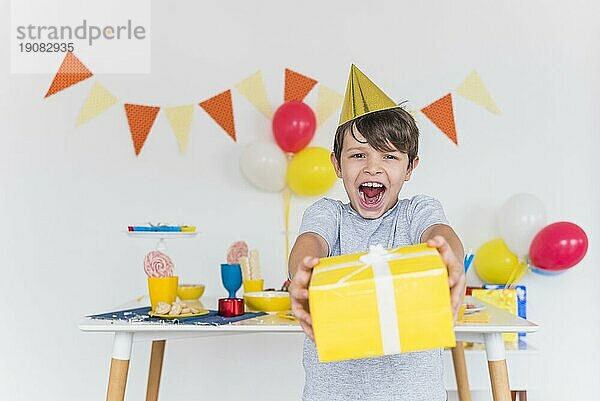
(126, 333)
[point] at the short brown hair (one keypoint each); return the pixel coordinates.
(383, 130)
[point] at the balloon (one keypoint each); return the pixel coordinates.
(294, 125)
(543, 272)
(558, 246)
(496, 264)
(520, 218)
(310, 172)
(264, 165)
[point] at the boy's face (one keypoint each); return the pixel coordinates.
(372, 179)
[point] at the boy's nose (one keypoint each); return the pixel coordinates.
(372, 167)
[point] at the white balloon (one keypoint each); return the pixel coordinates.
(521, 217)
(264, 165)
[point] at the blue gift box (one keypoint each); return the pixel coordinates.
(521, 292)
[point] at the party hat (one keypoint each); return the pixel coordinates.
(362, 97)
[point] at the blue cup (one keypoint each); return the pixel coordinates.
(231, 275)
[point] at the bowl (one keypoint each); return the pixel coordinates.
(268, 301)
(187, 292)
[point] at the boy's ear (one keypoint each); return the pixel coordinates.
(410, 168)
(336, 165)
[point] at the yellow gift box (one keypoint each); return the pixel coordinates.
(503, 298)
(380, 303)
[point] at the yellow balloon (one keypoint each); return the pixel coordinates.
(310, 172)
(496, 264)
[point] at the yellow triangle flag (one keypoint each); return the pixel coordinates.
(473, 89)
(180, 118)
(328, 102)
(253, 88)
(98, 101)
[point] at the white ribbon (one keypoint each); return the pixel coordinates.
(378, 259)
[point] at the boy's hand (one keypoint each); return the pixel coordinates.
(299, 294)
(456, 271)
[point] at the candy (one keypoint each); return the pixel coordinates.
(235, 251)
(158, 264)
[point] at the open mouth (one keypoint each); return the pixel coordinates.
(371, 194)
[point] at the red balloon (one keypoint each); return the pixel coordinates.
(558, 246)
(294, 125)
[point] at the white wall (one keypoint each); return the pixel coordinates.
(67, 194)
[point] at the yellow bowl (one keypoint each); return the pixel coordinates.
(268, 301)
(190, 291)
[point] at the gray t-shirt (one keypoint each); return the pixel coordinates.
(412, 376)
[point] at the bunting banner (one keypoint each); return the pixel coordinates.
(328, 102)
(140, 119)
(98, 101)
(297, 86)
(253, 89)
(71, 71)
(472, 88)
(180, 118)
(220, 108)
(441, 114)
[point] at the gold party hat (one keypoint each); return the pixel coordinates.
(362, 97)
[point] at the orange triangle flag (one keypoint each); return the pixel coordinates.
(71, 71)
(220, 108)
(297, 86)
(441, 114)
(140, 119)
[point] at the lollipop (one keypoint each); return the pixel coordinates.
(235, 251)
(158, 264)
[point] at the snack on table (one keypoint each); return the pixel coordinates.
(174, 309)
(254, 261)
(245, 266)
(162, 308)
(158, 264)
(235, 251)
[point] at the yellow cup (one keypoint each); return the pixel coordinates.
(162, 289)
(253, 285)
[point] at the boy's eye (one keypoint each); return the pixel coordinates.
(357, 155)
(392, 157)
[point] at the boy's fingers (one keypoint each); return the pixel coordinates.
(299, 294)
(455, 272)
(302, 316)
(308, 330)
(304, 271)
(304, 319)
(457, 295)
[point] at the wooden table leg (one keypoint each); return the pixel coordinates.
(156, 362)
(119, 366)
(460, 371)
(496, 356)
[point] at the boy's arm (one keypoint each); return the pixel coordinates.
(303, 257)
(443, 237)
(307, 244)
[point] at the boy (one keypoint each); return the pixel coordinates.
(375, 151)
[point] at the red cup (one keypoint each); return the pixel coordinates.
(230, 307)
